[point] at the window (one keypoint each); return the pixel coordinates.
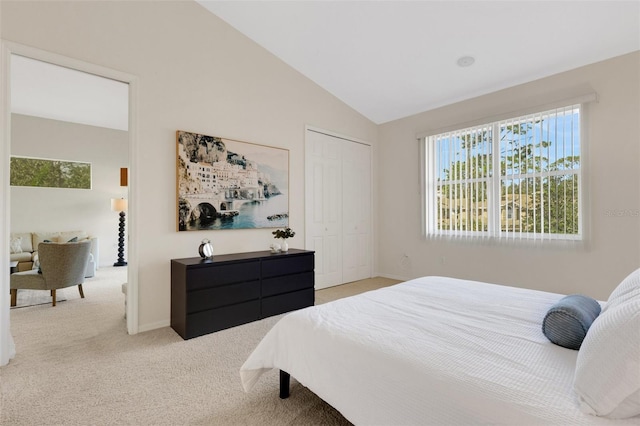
(42, 172)
(517, 178)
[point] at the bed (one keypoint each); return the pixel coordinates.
(439, 350)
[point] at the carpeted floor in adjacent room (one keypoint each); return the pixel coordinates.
(76, 365)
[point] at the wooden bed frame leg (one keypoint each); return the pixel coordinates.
(284, 384)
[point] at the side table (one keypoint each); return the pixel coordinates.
(13, 267)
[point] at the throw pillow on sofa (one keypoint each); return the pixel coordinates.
(69, 235)
(15, 245)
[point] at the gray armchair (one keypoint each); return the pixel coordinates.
(62, 265)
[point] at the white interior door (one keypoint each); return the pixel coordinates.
(323, 206)
(350, 214)
(357, 211)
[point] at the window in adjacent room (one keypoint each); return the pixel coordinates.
(43, 172)
(517, 178)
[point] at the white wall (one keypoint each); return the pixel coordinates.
(198, 74)
(613, 246)
(59, 209)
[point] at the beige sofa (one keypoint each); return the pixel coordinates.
(23, 248)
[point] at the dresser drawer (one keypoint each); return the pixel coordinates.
(279, 304)
(216, 297)
(287, 283)
(285, 265)
(218, 319)
(217, 275)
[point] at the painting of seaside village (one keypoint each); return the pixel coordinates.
(227, 184)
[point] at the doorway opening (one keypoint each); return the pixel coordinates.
(15, 118)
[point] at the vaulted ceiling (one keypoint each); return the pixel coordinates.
(391, 59)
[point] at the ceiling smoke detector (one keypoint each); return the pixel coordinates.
(465, 61)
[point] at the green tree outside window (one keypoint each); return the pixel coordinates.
(41, 172)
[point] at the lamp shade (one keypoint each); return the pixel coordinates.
(118, 204)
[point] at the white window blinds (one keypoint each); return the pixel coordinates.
(516, 179)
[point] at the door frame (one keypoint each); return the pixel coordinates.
(7, 349)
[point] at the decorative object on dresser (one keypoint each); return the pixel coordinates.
(228, 184)
(234, 289)
(120, 205)
(206, 249)
(275, 248)
(283, 234)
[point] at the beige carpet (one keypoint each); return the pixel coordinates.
(76, 365)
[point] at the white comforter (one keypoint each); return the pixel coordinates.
(432, 350)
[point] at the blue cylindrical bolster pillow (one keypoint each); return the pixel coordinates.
(567, 322)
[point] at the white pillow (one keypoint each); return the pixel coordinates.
(15, 245)
(607, 377)
(628, 289)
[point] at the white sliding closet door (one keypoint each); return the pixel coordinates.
(338, 208)
(323, 189)
(356, 211)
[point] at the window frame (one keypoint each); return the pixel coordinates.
(54, 163)
(495, 178)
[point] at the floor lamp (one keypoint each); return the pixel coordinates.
(120, 205)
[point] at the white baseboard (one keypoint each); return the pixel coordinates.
(154, 326)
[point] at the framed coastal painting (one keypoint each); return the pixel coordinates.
(228, 184)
